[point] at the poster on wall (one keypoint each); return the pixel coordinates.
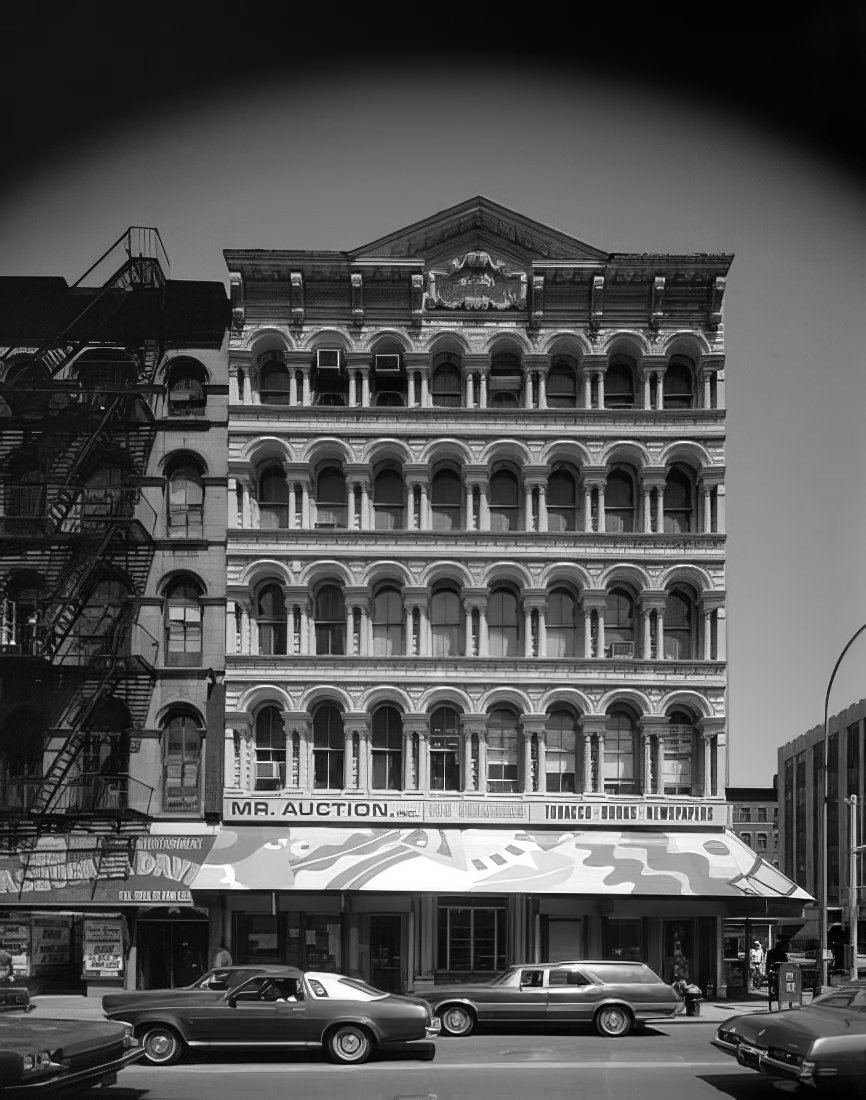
(52, 944)
(102, 950)
(15, 939)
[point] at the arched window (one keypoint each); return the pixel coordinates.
(273, 499)
(503, 617)
(562, 383)
(560, 751)
(388, 622)
(446, 493)
(446, 621)
(561, 623)
(388, 500)
(562, 500)
(185, 380)
(678, 384)
(620, 753)
(619, 501)
(678, 746)
(619, 623)
(678, 501)
(502, 740)
(619, 384)
(183, 626)
(182, 734)
(680, 626)
(331, 497)
(330, 616)
(185, 502)
(506, 381)
(329, 747)
(270, 747)
(271, 620)
(445, 749)
(445, 385)
(274, 380)
(387, 749)
(504, 500)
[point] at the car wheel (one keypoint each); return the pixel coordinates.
(349, 1044)
(162, 1044)
(457, 1020)
(613, 1021)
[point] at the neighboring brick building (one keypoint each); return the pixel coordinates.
(113, 397)
(755, 819)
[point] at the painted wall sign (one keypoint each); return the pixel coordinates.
(321, 810)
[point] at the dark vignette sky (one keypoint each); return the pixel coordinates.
(673, 128)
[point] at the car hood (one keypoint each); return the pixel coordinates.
(795, 1028)
(114, 1004)
(73, 1036)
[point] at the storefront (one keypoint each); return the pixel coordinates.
(407, 907)
(76, 914)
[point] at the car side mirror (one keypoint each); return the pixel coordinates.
(231, 1000)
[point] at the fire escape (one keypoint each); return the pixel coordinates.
(78, 431)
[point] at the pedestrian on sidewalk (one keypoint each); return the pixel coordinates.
(777, 955)
(223, 956)
(756, 963)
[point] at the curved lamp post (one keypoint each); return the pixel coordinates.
(822, 908)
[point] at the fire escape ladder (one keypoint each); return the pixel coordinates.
(114, 858)
(70, 490)
(60, 766)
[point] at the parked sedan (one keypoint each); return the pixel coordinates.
(822, 1044)
(345, 1016)
(612, 996)
(39, 1056)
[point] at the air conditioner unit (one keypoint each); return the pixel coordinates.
(388, 364)
(268, 769)
(622, 649)
(328, 358)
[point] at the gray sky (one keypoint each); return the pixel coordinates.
(334, 163)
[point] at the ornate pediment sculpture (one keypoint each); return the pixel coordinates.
(476, 281)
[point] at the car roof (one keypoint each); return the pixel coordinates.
(264, 968)
(583, 962)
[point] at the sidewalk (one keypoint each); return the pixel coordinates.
(90, 1008)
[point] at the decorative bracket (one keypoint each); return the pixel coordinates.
(716, 296)
(357, 281)
(417, 296)
(657, 305)
(537, 297)
(596, 302)
(236, 284)
(296, 302)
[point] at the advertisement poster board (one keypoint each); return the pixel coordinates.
(103, 947)
(15, 938)
(52, 944)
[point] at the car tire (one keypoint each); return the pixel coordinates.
(162, 1044)
(613, 1021)
(349, 1044)
(456, 1020)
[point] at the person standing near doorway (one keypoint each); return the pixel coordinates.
(777, 955)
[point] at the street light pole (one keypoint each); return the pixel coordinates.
(853, 898)
(822, 907)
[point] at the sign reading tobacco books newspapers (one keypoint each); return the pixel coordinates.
(64, 871)
(322, 810)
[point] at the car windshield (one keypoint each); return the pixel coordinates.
(507, 977)
(851, 1000)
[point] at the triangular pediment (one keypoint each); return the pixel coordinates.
(480, 225)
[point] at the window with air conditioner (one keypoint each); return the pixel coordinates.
(328, 359)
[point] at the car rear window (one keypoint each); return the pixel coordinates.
(624, 974)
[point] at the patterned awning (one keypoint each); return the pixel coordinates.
(428, 860)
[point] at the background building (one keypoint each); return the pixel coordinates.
(801, 782)
(476, 665)
(112, 578)
(755, 818)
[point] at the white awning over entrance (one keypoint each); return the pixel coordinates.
(687, 863)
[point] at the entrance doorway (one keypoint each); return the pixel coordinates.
(562, 939)
(171, 953)
(386, 933)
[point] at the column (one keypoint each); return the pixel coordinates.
(600, 390)
(708, 634)
(602, 645)
(365, 389)
(350, 630)
(660, 510)
(542, 389)
(407, 630)
(528, 524)
(482, 381)
(646, 390)
(660, 633)
(647, 509)
(483, 632)
(586, 382)
(526, 396)
(353, 389)
(588, 785)
(293, 386)
(720, 509)
(466, 778)
(348, 758)
(708, 765)
(231, 627)
(647, 632)
(707, 397)
(587, 632)
(587, 508)
(527, 632)
(601, 522)
(483, 508)
(245, 627)
(542, 631)
(542, 507)
(425, 390)
(708, 510)
(469, 522)
(246, 517)
(407, 758)
(721, 634)
(469, 399)
(306, 399)
(232, 502)
(426, 524)
(646, 749)
(467, 630)
(366, 508)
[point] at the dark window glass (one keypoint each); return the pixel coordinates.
(328, 748)
(387, 749)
